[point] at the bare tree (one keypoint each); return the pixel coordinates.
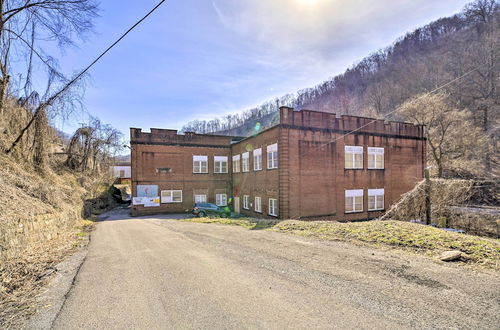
(26, 26)
(450, 132)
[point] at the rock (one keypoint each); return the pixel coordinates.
(450, 255)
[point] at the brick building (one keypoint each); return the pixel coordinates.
(307, 166)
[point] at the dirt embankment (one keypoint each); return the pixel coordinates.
(41, 221)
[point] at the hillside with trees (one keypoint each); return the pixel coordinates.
(459, 55)
(51, 182)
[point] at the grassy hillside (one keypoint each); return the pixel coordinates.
(42, 211)
(41, 221)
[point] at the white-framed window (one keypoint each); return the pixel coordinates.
(220, 164)
(236, 164)
(221, 199)
(375, 199)
(200, 164)
(258, 204)
(375, 158)
(354, 201)
(273, 207)
(171, 196)
(246, 202)
(257, 159)
(200, 198)
(353, 157)
(272, 156)
(245, 162)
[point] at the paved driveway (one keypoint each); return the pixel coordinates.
(156, 273)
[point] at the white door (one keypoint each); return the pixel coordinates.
(237, 204)
(200, 198)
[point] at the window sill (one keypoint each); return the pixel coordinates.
(272, 215)
(373, 168)
(376, 210)
(274, 168)
(200, 173)
(257, 170)
(350, 212)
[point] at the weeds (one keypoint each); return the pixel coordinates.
(407, 236)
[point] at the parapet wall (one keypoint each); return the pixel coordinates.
(308, 119)
(171, 136)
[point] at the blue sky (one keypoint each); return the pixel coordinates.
(198, 59)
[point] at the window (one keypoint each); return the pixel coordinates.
(236, 164)
(171, 196)
(354, 201)
(245, 162)
(221, 199)
(200, 198)
(273, 207)
(353, 157)
(258, 204)
(257, 159)
(220, 164)
(163, 170)
(375, 199)
(200, 164)
(246, 202)
(375, 158)
(272, 156)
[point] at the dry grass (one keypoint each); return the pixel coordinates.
(23, 278)
(40, 223)
(392, 234)
(248, 223)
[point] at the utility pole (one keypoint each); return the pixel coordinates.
(427, 192)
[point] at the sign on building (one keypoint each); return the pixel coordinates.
(152, 202)
(147, 190)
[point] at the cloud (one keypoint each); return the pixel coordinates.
(218, 12)
(317, 27)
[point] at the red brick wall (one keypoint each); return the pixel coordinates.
(311, 180)
(166, 149)
(264, 183)
(317, 177)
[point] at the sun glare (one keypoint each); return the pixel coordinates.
(309, 2)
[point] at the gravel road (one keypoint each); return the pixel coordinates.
(156, 273)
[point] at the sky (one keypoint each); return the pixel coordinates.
(200, 59)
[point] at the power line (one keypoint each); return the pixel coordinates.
(393, 111)
(72, 81)
(110, 47)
